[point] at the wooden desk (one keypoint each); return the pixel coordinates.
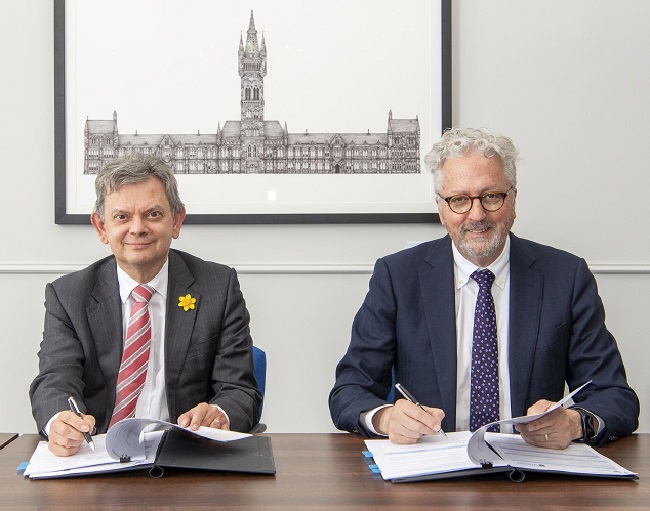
(5, 438)
(324, 471)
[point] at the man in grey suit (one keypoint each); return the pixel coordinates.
(199, 370)
(418, 322)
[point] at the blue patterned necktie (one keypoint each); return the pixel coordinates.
(484, 399)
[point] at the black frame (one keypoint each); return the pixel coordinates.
(62, 217)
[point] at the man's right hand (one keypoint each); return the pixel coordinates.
(66, 433)
(405, 423)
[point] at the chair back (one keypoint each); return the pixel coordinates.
(259, 369)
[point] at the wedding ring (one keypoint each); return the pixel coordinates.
(546, 437)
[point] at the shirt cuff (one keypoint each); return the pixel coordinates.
(366, 419)
(46, 430)
(213, 405)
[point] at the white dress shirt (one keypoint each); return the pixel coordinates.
(466, 293)
(152, 402)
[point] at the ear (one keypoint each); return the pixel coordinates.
(99, 226)
(179, 218)
(441, 205)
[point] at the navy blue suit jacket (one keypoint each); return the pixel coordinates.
(557, 336)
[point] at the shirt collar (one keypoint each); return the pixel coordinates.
(159, 282)
(464, 268)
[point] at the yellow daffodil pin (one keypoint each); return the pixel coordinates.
(187, 302)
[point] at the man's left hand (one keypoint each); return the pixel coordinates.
(203, 415)
(555, 430)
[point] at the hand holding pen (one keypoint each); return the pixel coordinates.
(75, 409)
(402, 390)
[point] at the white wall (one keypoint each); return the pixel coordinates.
(567, 79)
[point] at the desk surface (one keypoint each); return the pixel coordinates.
(324, 471)
(5, 438)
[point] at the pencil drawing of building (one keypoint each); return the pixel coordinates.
(256, 145)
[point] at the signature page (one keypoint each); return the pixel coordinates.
(575, 459)
(430, 455)
(44, 464)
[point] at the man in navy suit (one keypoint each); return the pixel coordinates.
(200, 367)
(416, 322)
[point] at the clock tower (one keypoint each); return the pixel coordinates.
(252, 70)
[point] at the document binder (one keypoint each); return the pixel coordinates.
(181, 449)
(131, 445)
(466, 454)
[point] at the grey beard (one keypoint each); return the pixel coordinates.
(493, 246)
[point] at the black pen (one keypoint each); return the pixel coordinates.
(402, 390)
(75, 409)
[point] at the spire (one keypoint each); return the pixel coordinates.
(251, 38)
(263, 48)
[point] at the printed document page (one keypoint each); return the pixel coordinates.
(575, 459)
(430, 455)
(44, 464)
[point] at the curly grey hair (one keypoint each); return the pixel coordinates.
(455, 142)
(135, 168)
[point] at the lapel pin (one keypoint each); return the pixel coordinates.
(186, 302)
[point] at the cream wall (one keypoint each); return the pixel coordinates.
(567, 79)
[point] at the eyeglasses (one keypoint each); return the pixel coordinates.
(490, 201)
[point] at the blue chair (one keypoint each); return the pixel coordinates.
(259, 370)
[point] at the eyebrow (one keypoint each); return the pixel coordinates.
(155, 207)
(485, 190)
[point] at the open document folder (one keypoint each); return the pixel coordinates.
(464, 453)
(146, 443)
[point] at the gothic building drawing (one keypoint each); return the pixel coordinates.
(256, 145)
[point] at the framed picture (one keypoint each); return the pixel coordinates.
(267, 111)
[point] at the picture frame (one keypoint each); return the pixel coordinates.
(367, 184)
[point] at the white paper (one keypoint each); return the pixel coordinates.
(480, 453)
(422, 458)
(577, 458)
(123, 439)
(44, 464)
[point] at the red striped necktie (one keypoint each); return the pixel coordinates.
(135, 358)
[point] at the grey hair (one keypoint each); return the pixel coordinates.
(135, 168)
(456, 142)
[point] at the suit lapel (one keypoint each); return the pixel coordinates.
(179, 324)
(105, 322)
(526, 287)
(437, 288)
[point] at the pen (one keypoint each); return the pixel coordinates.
(402, 390)
(75, 409)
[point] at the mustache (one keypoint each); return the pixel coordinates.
(477, 226)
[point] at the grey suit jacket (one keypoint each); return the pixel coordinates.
(407, 323)
(207, 350)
